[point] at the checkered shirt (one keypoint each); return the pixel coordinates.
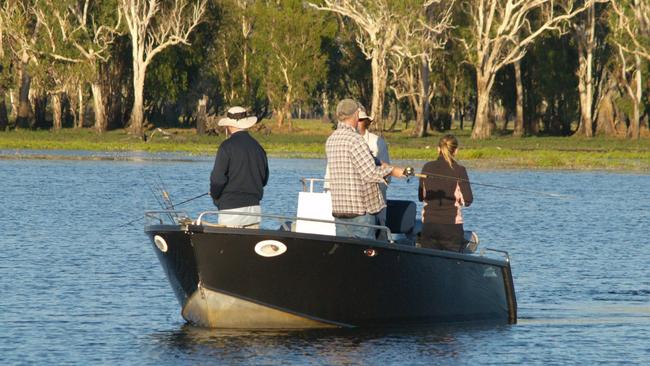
(354, 177)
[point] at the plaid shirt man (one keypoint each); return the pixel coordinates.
(354, 177)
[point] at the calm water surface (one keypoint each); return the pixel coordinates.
(76, 290)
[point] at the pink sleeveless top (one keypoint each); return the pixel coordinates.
(460, 202)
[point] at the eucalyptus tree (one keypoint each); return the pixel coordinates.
(589, 31)
(232, 53)
(54, 83)
(585, 35)
(287, 40)
(79, 34)
(5, 77)
(349, 71)
(631, 36)
(153, 26)
(246, 29)
(377, 23)
(181, 84)
(633, 22)
(93, 27)
(21, 29)
(498, 33)
(419, 37)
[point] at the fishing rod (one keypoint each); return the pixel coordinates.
(193, 198)
(165, 196)
(178, 204)
(160, 200)
(164, 204)
(549, 194)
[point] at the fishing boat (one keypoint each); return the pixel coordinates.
(294, 272)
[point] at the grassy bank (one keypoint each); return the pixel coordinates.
(307, 140)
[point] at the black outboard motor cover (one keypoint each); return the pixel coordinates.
(400, 216)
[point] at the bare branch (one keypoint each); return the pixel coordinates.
(635, 25)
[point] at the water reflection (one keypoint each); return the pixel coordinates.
(327, 346)
(587, 313)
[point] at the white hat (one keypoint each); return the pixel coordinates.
(363, 115)
(238, 117)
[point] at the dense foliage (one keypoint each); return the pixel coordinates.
(556, 68)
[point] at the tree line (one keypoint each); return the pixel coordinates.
(553, 67)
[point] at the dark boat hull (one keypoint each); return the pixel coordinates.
(323, 281)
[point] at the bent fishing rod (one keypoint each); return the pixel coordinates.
(548, 194)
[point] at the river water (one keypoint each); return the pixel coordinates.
(75, 289)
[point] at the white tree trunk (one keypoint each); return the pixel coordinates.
(326, 106)
(519, 118)
(56, 112)
(81, 106)
(586, 43)
(482, 128)
(634, 131)
(201, 115)
(606, 115)
(137, 113)
(379, 78)
(25, 114)
(586, 91)
(425, 85)
(152, 29)
(14, 104)
(101, 123)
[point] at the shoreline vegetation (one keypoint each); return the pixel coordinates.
(307, 140)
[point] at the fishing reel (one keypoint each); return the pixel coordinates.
(408, 173)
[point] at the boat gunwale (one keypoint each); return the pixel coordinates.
(329, 238)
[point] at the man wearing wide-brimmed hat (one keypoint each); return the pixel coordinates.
(376, 143)
(240, 172)
(379, 151)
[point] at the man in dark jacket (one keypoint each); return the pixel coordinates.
(240, 172)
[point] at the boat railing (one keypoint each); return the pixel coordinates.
(505, 254)
(286, 222)
(161, 217)
(309, 182)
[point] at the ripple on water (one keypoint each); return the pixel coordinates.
(77, 290)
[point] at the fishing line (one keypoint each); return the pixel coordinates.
(549, 194)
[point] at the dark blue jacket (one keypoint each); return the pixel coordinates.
(240, 172)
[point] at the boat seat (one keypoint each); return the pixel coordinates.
(400, 216)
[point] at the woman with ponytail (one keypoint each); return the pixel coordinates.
(443, 192)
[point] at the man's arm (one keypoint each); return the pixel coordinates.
(365, 163)
(382, 150)
(266, 170)
(219, 175)
(382, 153)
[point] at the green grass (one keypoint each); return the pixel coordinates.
(307, 140)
